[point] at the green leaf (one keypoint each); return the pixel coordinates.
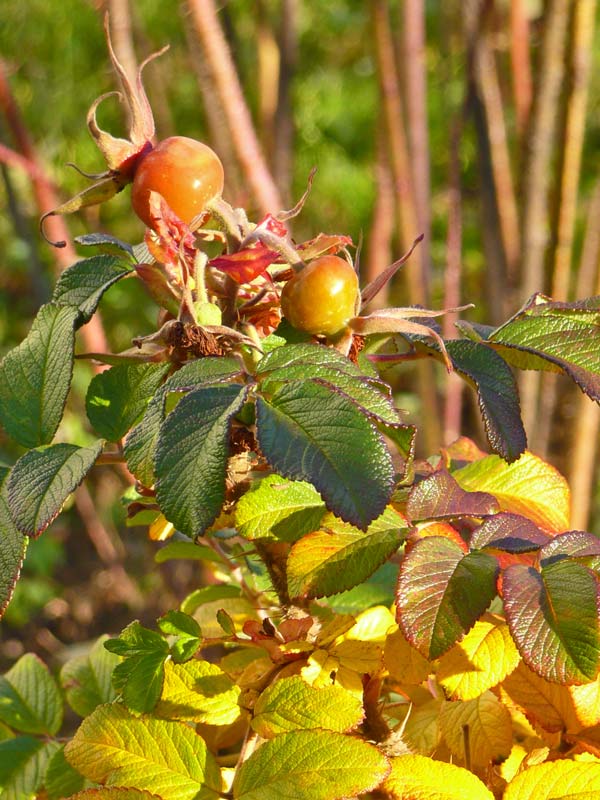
(140, 446)
(100, 239)
(83, 284)
(114, 793)
(198, 692)
(440, 497)
(139, 677)
(35, 377)
(497, 394)
(226, 622)
(209, 594)
(119, 395)
(442, 592)
(86, 679)
(23, 764)
(61, 779)
(509, 532)
(30, 700)
(167, 758)
(12, 547)
(41, 481)
(306, 355)
(556, 336)
(190, 551)
(309, 432)
(291, 704)
(310, 765)
(339, 556)
(580, 546)
(192, 454)
(187, 631)
(377, 590)
(277, 508)
(553, 618)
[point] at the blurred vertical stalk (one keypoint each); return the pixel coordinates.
(405, 206)
(268, 59)
(520, 63)
(46, 199)
(415, 72)
(222, 70)
(379, 252)
(583, 467)
(578, 77)
(284, 120)
(536, 175)
(452, 283)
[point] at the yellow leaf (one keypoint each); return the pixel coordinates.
(365, 658)
(520, 758)
(416, 777)
(404, 663)
(422, 728)
(335, 627)
(551, 706)
(485, 656)
(198, 691)
(556, 780)
(160, 529)
(484, 723)
(371, 625)
(528, 486)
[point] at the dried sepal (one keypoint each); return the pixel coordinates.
(372, 289)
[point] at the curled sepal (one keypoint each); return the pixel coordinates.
(397, 320)
(99, 192)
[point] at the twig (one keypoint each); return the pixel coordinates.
(379, 243)
(284, 120)
(520, 63)
(227, 84)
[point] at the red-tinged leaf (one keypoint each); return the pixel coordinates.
(445, 530)
(553, 618)
(442, 593)
(440, 497)
(576, 544)
(510, 532)
(246, 265)
(323, 244)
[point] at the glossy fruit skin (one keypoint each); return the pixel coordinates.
(187, 173)
(322, 297)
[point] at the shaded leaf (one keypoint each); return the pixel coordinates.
(35, 377)
(139, 676)
(309, 432)
(306, 355)
(278, 508)
(553, 618)
(497, 394)
(141, 443)
(99, 239)
(119, 395)
(187, 551)
(12, 547)
(30, 700)
(23, 763)
(198, 692)
(339, 556)
(291, 704)
(483, 659)
(403, 661)
(187, 632)
(86, 679)
(509, 532)
(41, 481)
(167, 758)
(307, 765)
(440, 496)
(61, 780)
(83, 284)
(529, 487)
(192, 454)
(442, 592)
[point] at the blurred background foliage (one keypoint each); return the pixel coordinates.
(476, 122)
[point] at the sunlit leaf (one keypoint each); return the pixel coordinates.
(553, 618)
(556, 780)
(291, 704)
(442, 592)
(485, 656)
(488, 727)
(12, 547)
(529, 487)
(403, 661)
(83, 284)
(310, 764)
(510, 532)
(440, 496)
(166, 758)
(198, 692)
(415, 777)
(339, 556)
(30, 700)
